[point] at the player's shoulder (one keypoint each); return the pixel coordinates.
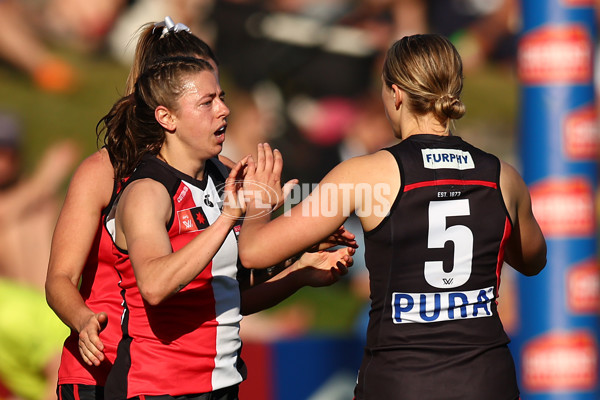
(135, 195)
(144, 188)
(96, 165)
(363, 168)
(512, 185)
(372, 160)
(93, 179)
(509, 174)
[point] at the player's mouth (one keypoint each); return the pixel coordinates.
(220, 133)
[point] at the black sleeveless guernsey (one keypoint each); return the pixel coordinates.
(434, 264)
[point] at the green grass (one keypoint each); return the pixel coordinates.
(49, 117)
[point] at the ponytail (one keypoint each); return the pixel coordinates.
(119, 138)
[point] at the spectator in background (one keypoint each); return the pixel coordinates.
(29, 204)
(77, 24)
(192, 13)
(285, 53)
(482, 30)
(22, 46)
(248, 124)
(30, 334)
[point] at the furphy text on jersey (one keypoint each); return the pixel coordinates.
(441, 306)
(447, 158)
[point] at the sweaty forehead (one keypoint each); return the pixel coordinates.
(200, 83)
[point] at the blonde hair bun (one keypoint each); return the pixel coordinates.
(448, 106)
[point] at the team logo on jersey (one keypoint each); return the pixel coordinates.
(556, 54)
(583, 288)
(442, 306)
(580, 134)
(192, 220)
(447, 158)
(560, 361)
(183, 193)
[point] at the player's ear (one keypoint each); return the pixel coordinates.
(398, 95)
(165, 118)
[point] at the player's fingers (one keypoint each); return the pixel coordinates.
(236, 172)
(346, 233)
(349, 256)
(251, 165)
(250, 169)
(343, 241)
(87, 355)
(96, 344)
(85, 358)
(260, 158)
(94, 347)
(102, 319)
(335, 275)
(277, 164)
(269, 159)
(95, 356)
(341, 269)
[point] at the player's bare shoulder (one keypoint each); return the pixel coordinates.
(370, 168)
(513, 187)
(93, 180)
(96, 166)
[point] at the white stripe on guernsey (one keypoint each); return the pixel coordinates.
(227, 295)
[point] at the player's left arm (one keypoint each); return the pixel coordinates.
(526, 248)
(316, 269)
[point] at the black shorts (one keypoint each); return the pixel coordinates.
(229, 393)
(80, 392)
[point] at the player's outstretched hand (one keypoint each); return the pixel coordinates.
(234, 204)
(325, 267)
(341, 237)
(262, 184)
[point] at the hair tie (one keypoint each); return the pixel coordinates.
(448, 96)
(169, 26)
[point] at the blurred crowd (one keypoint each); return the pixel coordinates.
(301, 74)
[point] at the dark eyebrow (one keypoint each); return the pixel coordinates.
(213, 95)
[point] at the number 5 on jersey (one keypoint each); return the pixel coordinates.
(439, 234)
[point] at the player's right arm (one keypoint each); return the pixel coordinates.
(89, 192)
(140, 229)
(526, 247)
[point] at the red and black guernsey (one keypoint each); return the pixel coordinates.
(434, 264)
(190, 342)
(100, 292)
